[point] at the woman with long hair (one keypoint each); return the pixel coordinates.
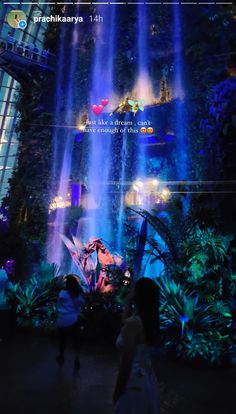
(137, 390)
(70, 302)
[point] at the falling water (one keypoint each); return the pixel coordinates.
(143, 39)
(181, 149)
(100, 145)
(59, 92)
(55, 244)
(122, 195)
(142, 88)
(145, 91)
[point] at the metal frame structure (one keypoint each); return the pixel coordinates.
(9, 88)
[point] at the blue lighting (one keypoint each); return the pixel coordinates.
(145, 140)
(79, 137)
(169, 137)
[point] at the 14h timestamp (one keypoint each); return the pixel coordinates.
(97, 18)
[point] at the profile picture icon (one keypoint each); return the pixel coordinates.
(17, 19)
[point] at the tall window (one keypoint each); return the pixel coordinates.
(34, 33)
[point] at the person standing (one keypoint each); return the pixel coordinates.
(137, 390)
(44, 55)
(20, 48)
(31, 47)
(70, 302)
(16, 21)
(35, 53)
(27, 51)
(10, 269)
(4, 281)
(10, 41)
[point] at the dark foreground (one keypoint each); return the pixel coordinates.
(31, 381)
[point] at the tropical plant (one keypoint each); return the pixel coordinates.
(34, 300)
(191, 326)
(47, 271)
(163, 230)
(211, 346)
(204, 246)
(196, 316)
(149, 245)
(181, 309)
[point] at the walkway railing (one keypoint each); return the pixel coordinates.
(29, 51)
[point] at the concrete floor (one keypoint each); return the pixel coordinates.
(32, 383)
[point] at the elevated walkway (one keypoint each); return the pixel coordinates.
(23, 64)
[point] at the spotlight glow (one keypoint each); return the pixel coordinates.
(135, 187)
(166, 193)
(81, 127)
(59, 203)
(139, 183)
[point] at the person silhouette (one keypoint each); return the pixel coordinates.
(10, 41)
(35, 53)
(137, 390)
(70, 302)
(16, 21)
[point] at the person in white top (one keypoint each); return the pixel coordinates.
(4, 281)
(70, 303)
(137, 390)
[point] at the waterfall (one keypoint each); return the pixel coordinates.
(100, 156)
(142, 88)
(54, 242)
(122, 195)
(181, 146)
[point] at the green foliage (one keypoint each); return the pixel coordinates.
(47, 272)
(196, 313)
(181, 309)
(211, 346)
(162, 227)
(194, 329)
(221, 309)
(34, 300)
(130, 250)
(207, 241)
(30, 189)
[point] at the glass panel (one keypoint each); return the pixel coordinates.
(9, 89)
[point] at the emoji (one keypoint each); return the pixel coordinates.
(143, 130)
(97, 109)
(105, 102)
(136, 105)
(150, 130)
